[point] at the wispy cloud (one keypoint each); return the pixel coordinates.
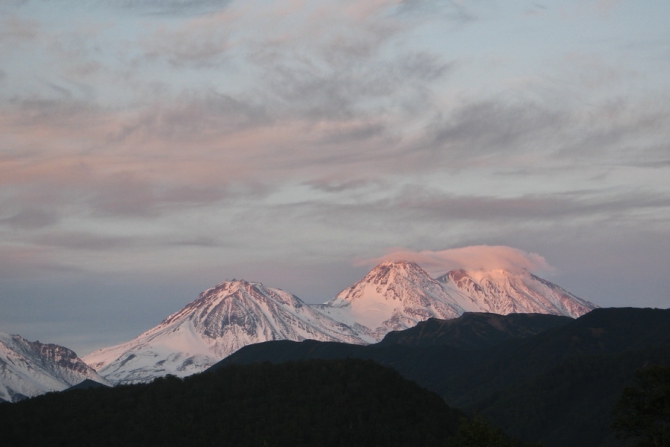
(186, 135)
(536, 9)
(16, 30)
(437, 204)
(201, 42)
(170, 7)
(84, 241)
(31, 218)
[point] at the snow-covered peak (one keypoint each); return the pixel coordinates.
(219, 322)
(504, 292)
(396, 270)
(397, 280)
(394, 296)
(31, 368)
(237, 292)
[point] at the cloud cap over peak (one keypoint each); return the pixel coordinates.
(475, 257)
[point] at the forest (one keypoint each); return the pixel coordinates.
(307, 403)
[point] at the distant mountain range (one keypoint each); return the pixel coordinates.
(541, 378)
(393, 296)
(28, 368)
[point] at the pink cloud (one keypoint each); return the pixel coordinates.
(476, 257)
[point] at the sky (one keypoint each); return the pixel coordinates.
(151, 149)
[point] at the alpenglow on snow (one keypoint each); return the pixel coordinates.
(393, 296)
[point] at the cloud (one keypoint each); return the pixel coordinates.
(477, 257)
(41, 113)
(31, 218)
(455, 11)
(85, 241)
(15, 30)
(170, 7)
(30, 262)
(427, 203)
(342, 61)
(195, 117)
(604, 7)
(353, 133)
(200, 43)
(342, 84)
(127, 195)
(334, 185)
(536, 9)
(494, 127)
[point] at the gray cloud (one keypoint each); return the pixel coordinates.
(496, 127)
(124, 195)
(196, 45)
(345, 87)
(499, 133)
(61, 113)
(337, 186)
(432, 204)
(622, 132)
(353, 135)
(200, 241)
(345, 70)
(85, 241)
(170, 7)
(128, 195)
(31, 218)
(417, 216)
(193, 117)
(454, 11)
(29, 262)
(536, 9)
(16, 30)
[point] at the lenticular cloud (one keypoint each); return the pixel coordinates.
(476, 257)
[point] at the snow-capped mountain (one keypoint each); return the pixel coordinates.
(393, 296)
(397, 295)
(503, 292)
(28, 369)
(223, 319)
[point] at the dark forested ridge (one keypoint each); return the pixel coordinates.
(554, 382)
(310, 403)
(475, 330)
(557, 386)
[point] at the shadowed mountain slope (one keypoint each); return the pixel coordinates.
(557, 386)
(324, 403)
(475, 330)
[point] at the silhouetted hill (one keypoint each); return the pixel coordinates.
(324, 403)
(557, 386)
(475, 330)
(87, 384)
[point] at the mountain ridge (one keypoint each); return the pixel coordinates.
(222, 320)
(557, 387)
(392, 296)
(29, 369)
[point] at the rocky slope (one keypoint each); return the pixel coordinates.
(28, 369)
